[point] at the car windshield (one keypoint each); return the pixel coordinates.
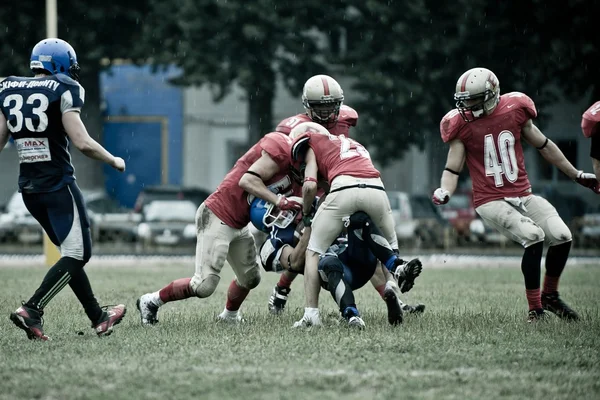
(181, 211)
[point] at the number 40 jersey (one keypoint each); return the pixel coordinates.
(33, 108)
(493, 148)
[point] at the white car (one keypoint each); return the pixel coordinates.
(168, 223)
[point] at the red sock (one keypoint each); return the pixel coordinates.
(380, 289)
(550, 284)
(285, 281)
(235, 296)
(534, 299)
(177, 290)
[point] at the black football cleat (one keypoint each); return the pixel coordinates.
(278, 299)
(536, 315)
(395, 313)
(111, 317)
(30, 320)
(553, 303)
(407, 273)
(416, 309)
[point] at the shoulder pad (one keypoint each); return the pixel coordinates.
(522, 101)
(451, 125)
(348, 115)
(277, 144)
(591, 120)
(289, 123)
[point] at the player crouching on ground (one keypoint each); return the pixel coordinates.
(348, 264)
(486, 130)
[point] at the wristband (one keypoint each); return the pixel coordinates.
(310, 179)
(307, 220)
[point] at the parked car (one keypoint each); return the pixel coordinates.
(459, 212)
(168, 223)
(586, 229)
(431, 229)
(109, 221)
(17, 223)
(169, 192)
(402, 213)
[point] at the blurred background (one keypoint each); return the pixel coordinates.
(181, 88)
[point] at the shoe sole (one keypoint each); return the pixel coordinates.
(139, 308)
(395, 313)
(20, 323)
(409, 280)
(109, 331)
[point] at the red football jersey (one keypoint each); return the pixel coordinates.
(348, 118)
(493, 147)
(590, 123)
(339, 155)
(230, 202)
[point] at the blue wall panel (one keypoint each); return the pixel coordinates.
(130, 92)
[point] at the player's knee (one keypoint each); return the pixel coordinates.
(534, 234)
(330, 265)
(204, 287)
(359, 219)
(558, 232)
(250, 279)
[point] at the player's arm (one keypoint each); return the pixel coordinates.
(449, 181)
(86, 144)
(3, 132)
(292, 258)
(253, 181)
(309, 188)
(555, 156)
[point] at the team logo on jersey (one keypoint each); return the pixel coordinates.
(33, 150)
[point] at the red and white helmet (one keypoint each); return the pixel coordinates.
(322, 98)
(477, 93)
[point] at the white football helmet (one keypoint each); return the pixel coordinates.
(307, 127)
(477, 93)
(322, 98)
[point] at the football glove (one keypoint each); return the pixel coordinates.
(288, 204)
(440, 196)
(589, 181)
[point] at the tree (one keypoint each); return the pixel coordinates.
(251, 44)
(96, 31)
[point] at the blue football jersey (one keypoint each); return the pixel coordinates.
(33, 108)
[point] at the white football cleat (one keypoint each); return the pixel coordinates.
(148, 309)
(307, 322)
(356, 322)
(230, 317)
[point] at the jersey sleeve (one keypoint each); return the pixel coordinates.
(278, 146)
(450, 126)
(348, 115)
(72, 98)
(270, 253)
(523, 105)
(590, 122)
(288, 124)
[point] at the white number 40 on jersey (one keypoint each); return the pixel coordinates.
(493, 167)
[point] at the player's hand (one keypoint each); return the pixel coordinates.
(288, 204)
(440, 196)
(589, 181)
(118, 164)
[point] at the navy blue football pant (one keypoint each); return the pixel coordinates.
(63, 216)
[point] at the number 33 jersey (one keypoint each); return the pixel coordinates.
(33, 108)
(493, 148)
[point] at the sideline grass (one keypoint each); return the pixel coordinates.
(471, 343)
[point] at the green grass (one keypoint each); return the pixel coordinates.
(471, 343)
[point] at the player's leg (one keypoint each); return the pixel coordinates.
(242, 258)
(509, 221)
(326, 226)
(212, 246)
(332, 271)
(281, 291)
(559, 239)
(377, 205)
(361, 226)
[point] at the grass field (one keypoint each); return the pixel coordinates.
(471, 343)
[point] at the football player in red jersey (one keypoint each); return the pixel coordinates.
(355, 186)
(485, 130)
(222, 231)
(322, 98)
(590, 124)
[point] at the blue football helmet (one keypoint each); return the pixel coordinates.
(265, 215)
(55, 56)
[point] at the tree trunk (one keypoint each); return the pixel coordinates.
(260, 105)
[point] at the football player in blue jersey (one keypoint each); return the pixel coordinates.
(42, 114)
(348, 264)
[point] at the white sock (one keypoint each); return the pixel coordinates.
(229, 314)
(155, 298)
(311, 313)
